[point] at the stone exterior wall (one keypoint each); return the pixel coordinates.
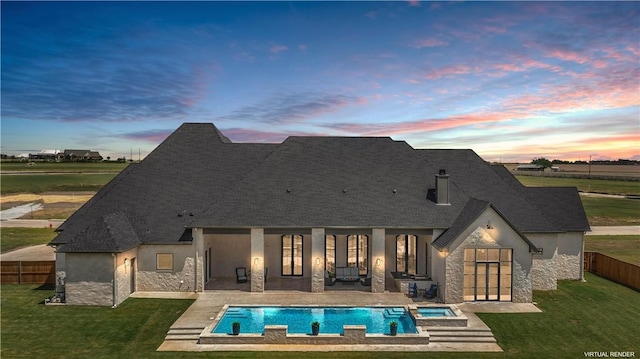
(544, 270)
(569, 260)
(181, 279)
(89, 279)
(500, 236)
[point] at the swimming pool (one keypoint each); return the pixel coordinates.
(436, 312)
(299, 319)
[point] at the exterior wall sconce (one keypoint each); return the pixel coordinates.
(378, 262)
(255, 261)
(317, 260)
(127, 262)
(489, 226)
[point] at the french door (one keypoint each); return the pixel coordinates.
(487, 281)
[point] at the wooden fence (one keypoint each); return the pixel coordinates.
(616, 270)
(28, 272)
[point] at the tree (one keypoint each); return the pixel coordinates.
(545, 163)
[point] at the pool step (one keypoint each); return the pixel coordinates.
(460, 335)
(189, 333)
(394, 313)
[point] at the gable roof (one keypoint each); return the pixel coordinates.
(473, 209)
(304, 182)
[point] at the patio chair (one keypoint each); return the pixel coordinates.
(241, 274)
(328, 280)
(431, 292)
(413, 290)
(366, 281)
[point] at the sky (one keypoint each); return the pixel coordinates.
(511, 80)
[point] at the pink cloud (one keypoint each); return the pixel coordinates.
(429, 42)
(567, 55)
(414, 3)
(448, 71)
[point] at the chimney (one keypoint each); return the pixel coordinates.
(442, 187)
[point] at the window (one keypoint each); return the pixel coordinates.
(487, 274)
(330, 254)
(164, 261)
(292, 255)
(357, 253)
(406, 250)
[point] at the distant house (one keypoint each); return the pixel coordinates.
(82, 155)
(529, 167)
(47, 155)
(308, 208)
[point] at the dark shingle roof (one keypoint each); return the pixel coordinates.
(335, 182)
(478, 180)
(198, 178)
(560, 205)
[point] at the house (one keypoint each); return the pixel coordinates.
(82, 155)
(177, 222)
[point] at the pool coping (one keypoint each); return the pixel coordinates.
(209, 303)
(278, 334)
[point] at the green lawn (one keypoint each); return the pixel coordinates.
(598, 315)
(612, 211)
(624, 248)
(13, 238)
(39, 183)
(63, 167)
(584, 185)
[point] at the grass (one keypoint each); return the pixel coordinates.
(598, 315)
(14, 238)
(39, 183)
(77, 167)
(584, 185)
(624, 248)
(612, 211)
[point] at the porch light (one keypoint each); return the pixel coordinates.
(255, 261)
(317, 260)
(489, 226)
(127, 262)
(378, 261)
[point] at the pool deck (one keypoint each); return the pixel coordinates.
(208, 304)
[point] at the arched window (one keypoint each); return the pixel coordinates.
(406, 253)
(330, 253)
(358, 253)
(292, 255)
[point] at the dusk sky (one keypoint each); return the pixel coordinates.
(510, 80)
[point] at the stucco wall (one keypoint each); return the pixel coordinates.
(180, 279)
(569, 258)
(124, 283)
(228, 252)
(500, 236)
(89, 279)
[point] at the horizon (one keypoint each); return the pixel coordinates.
(513, 81)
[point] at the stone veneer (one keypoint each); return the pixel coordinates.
(158, 281)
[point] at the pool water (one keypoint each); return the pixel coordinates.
(436, 312)
(299, 319)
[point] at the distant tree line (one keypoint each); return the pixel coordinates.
(545, 163)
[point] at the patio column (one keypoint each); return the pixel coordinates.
(257, 259)
(198, 272)
(378, 266)
(317, 260)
